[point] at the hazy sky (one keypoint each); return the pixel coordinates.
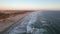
(29, 4)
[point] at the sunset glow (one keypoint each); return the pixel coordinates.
(29, 4)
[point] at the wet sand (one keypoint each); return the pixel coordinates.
(9, 20)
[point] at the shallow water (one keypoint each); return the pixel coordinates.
(42, 22)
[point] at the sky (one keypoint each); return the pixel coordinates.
(29, 4)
